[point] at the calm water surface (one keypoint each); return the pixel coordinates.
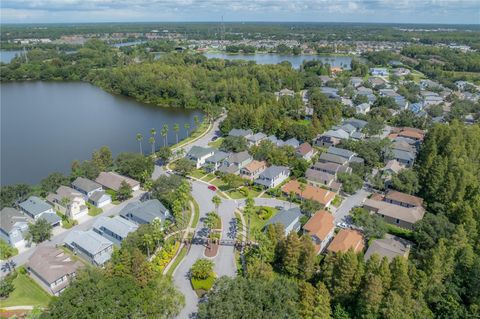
(47, 125)
(295, 60)
(7, 56)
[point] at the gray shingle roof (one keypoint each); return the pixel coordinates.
(88, 240)
(147, 211)
(285, 217)
(340, 152)
(239, 157)
(35, 205)
(118, 225)
(217, 157)
(95, 197)
(390, 247)
(359, 124)
(273, 171)
(85, 184)
(292, 142)
(198, 151)
(327, 157)
(9, 217)
(51, 218)
(398, 154)
(319, 176)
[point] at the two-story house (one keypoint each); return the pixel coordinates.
(289, 219)
(37, 208)
(92, 192)
(115, 229)
(199, 155)
(253, 169)
(69, 202)
(145, 212)
(321, 228)
(90, 245)
(13, 225)
(273, 176)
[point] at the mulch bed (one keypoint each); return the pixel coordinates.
(11, 313)
(211, 250)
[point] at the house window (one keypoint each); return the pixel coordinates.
(397, 221)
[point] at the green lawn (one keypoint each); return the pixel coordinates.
(196, 215)
(203, 284)
(198, 173)
(208, 177)
(337, 201)
(216, 143)
(257, 223)
(218, 182)
(27, 293)
(235, 194)
(177, 261)
(93, 210)
(194, 133)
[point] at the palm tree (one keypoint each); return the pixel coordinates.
(140, 139)
(153, 133)
(196, 121)
(151, 140)
(291, 197)
(216, 201)
(302, 189)
(147, 241)
(176, 128)
(164, 133)
(157, 231)
(187, 128)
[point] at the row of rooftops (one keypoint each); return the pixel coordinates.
(255, 138)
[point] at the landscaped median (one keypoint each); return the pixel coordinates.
(202, 129)
(202, 276)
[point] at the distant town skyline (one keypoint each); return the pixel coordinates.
(366, 11)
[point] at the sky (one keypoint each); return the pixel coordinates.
(392, 11)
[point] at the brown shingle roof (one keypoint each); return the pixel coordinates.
(320, 224)
(113, 180)
(404, 198)
(50, 263)
(410, 215)
(347, 239)
(254, 165)
(304, 149)
(318, 194)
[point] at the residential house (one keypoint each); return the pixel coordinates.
(145, 212)
(376, 82)
(331, 168)
(200, 154)
(358, 124)
(323, 196)
(255, 139)
(115, 229)
(324, 79)
(338, 134)
(319, 178)
(393, 167)
(13, 225)
(113, 181)
(214, 162)
(240, 133)
(37, 208)
(332, 158)
(331, 93)
(275, 141)
(235, 162)
(293, 142)
(93, 192)
(90, 245)
(289, 219)
(379, 71)
(363, 108)
(402, 199)
(253, 169)
(52, 268)
(305, 151)
(390, 246)
(356, 81)
(403, 157)
(320, 227)
(273, 176)
(401, 72)
(348, 155)
(285, 92)
(394, 214)
(327, 141)
(347, 239)
(69, 202)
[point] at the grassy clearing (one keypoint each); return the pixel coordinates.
(208, 177)
(201, 286)
(337, 201)
(93, 210)
(27, 293)
(259, 218)
(7, 251)
(177, 261)
(400, 232)
(196, 214)
(216, 143)
(193, 135)
(198, 173)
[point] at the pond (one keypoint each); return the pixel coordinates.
(295, 60)
(7, 56)
(47, 125)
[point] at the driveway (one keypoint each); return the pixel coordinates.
(348, 203)
(207, 138)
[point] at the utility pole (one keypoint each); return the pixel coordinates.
(222, 33)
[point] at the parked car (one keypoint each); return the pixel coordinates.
(212, 188)
(215, 138)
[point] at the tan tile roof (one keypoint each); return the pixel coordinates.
(254, 165)
(347, 239)
(404, 198)
(318, 194)
(410, 215)
(320, 224)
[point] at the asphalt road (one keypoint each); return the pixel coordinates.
(349, 203)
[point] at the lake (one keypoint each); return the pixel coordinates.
(47, 125)
(295, 60)
(7, 56)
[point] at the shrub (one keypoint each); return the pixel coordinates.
(202, 269)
